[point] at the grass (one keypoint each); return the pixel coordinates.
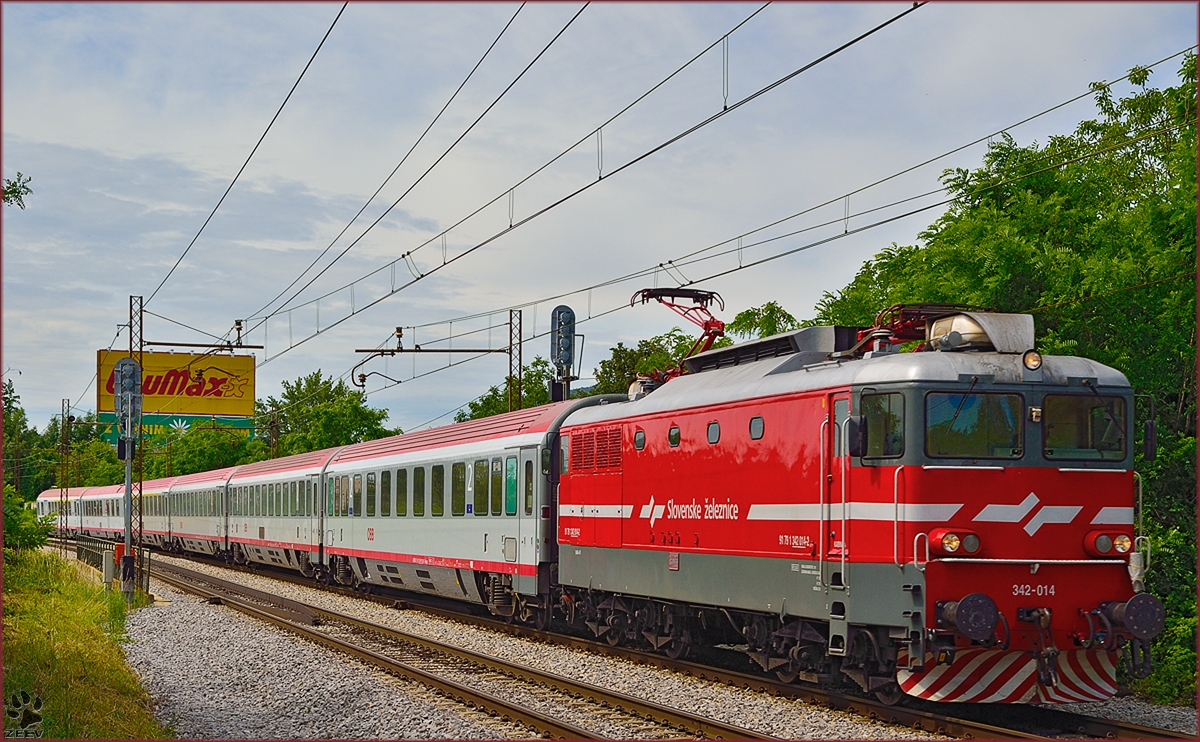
(61, 642)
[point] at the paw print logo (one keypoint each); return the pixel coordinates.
(22, 716)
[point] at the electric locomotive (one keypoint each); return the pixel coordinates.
(954, 524)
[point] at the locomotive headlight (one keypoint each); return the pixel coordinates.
(1123, 544)
(970, 543)
(1032, 360)
(951, 542)
(1104, 543)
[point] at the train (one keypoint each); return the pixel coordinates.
(926, 508)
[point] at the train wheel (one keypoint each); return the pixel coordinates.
(786, 676)
(613, 637)
(541, 619)
(890, 694)
(678, 648)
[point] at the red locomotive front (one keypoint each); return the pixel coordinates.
(955, 524)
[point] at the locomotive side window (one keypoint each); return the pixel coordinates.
(481, 487)
(419, 491)
(497, 487)
(529, 488)
(639, 440)
(437, 491)
(714, 431)
(564, 454)
(401, 492)
(1084, 427)
(370, 494)
(673, 436)
(756, 428)
(973, 426)
(458, 488)
(385, 493)
(884, 415)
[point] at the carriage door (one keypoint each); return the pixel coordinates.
(529, 515)
(837, 523)
(312, 510)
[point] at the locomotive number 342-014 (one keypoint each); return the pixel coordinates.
(1027, 589)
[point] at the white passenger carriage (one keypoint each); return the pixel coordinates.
(197, 511)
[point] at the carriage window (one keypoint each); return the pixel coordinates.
(1084, 427)
(437, 491)
(529, 488)
(371, 494)
(510, 485)
(973, 426)
(402, 492)
(480, 504)
(295, 498)
(343, 507)
(385, 493)
(756, 428)
(714, 431)
(497, 487)
(356, 507)
(884, 415)
(673, 436)
(330, 497)
(308, 491)
(458, 488)
(419, 491)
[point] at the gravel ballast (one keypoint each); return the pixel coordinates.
(341, 702)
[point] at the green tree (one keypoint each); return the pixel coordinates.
(15, 190)
(760, 322)
(316, 412)
(22, 527)
(1095, 234)
(615, 373)
(535, 391)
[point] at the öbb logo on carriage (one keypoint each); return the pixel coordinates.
(925, 507)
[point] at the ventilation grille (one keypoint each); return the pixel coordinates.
(596, 449)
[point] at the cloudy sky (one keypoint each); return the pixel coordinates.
(134, 118)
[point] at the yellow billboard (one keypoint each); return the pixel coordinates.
(183, 383)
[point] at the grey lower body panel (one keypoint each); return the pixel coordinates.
(872, 593)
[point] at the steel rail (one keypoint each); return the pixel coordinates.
(647, 710)
(463, 694)
(914, 718)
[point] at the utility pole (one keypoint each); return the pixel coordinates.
(136, 348)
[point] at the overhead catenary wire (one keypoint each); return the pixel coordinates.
(406, 257)
(248, 157)
(842, 235)
(684, 259)
(987, 137)
(626, 165)
(396, 169)
(436, 162)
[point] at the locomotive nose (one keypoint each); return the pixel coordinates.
(1143, 615)
(975, 616)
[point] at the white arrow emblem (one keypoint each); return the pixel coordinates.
(1016, 513)
(652, 511)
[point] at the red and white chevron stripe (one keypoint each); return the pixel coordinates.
(1000, 676)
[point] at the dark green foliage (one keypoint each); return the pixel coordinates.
(318, 412)
(535, 391)
(760, 322)
(15, 190)
(659, 353)
(22, 528)
(1102, 250)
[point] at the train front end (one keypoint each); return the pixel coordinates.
(1032, 575)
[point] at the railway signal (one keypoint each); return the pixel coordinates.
(562, 351)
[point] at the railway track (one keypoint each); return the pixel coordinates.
(986, 721)
(445, 668)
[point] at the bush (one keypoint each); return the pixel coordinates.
(22, 528)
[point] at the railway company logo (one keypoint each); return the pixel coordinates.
(1045, 514)
(710, 509)
(22, 716)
